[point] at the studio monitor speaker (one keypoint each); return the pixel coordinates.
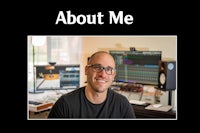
(167, 75)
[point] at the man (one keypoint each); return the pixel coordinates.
(96, 99)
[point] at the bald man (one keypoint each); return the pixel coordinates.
(95, 100)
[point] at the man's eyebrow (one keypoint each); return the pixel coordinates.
(102, 66)
(96, 64)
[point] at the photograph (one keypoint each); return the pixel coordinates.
(66, 78)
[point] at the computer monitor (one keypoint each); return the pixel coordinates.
(62, 77)
(137, 66)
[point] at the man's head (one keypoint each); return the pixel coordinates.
(100, 71)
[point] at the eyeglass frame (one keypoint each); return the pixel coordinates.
(101, 68)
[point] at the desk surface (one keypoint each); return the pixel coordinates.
(141, 112)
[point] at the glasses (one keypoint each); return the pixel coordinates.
(98, 68)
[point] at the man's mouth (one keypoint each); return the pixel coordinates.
(101, 80)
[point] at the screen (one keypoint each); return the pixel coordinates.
(137, 66)
(59, 77)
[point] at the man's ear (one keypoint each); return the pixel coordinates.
(86, 70)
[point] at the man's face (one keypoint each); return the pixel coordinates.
(100, 74)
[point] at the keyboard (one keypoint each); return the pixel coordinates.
(34, 102)
(137, 102)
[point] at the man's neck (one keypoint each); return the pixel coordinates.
(95, 97)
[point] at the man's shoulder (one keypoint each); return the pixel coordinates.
(116, 94)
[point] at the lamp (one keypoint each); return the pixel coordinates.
(36, 41)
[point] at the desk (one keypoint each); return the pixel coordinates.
(39, 115)
(40, 110)
(41, 107)
(141, 112)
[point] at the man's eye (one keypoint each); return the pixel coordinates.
(108, 69)
(97, 67)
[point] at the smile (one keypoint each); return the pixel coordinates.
(100, 80)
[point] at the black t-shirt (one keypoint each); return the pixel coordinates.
(76, 105)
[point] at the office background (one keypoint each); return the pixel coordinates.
(77, 49)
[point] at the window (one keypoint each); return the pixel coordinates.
(64, 50)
